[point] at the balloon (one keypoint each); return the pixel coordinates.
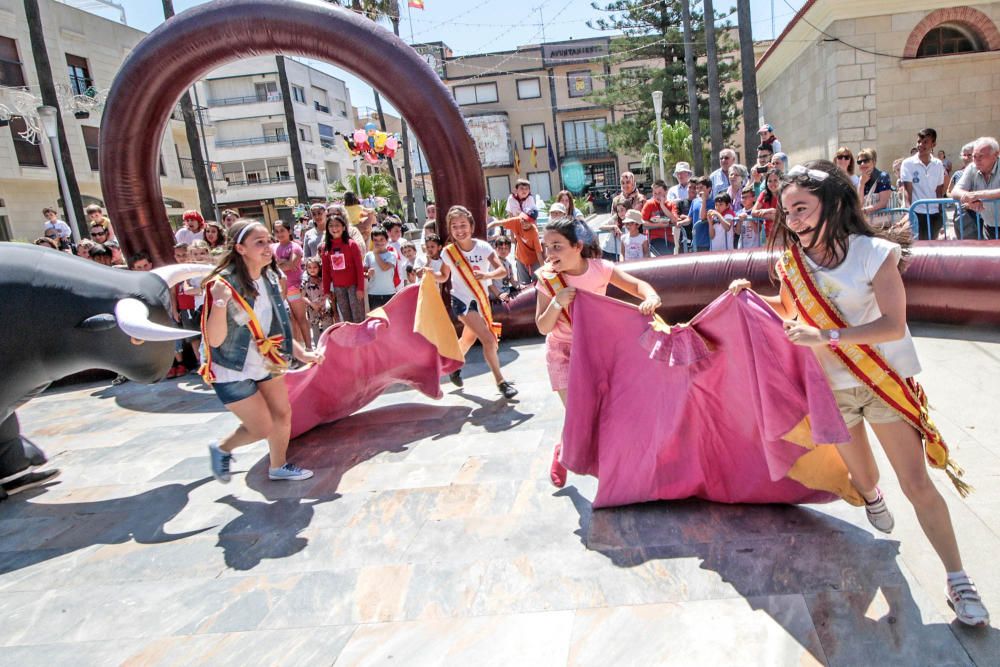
(360, 137)
(392, 143)
(380, 139)
(371, 127)
(370, 158)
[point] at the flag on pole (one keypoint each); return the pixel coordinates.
(517, 160)
(552, 155)
(534, 154)
(416, 4)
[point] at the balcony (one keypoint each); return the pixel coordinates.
(187, 168)
(200, 115)
(248, 99)
(322, 109)
(252, 141)
(259, 181)
(587, 150)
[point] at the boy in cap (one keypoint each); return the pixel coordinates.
(528, 249)
(768, 139)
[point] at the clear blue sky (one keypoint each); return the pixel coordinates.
(475, 26)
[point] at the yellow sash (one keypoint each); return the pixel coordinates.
(464, 271)
(866, 363)
(268, 346)
(551, 283)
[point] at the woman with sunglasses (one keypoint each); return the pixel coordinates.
(874, 186)
(845, 162)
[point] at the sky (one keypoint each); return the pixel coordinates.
(476, 26)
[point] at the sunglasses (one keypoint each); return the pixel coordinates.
(864, 160)
(843, 157)
(98, 232)
(50, 236)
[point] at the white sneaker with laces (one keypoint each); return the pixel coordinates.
(964, 599)
(289, 472)
(879, 515)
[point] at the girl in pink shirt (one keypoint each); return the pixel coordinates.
(571, 267)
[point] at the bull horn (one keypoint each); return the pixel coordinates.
(174, 274)
(133, 319)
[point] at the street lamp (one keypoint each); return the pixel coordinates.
(658, 109)
(49, 116)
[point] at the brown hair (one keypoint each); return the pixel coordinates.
(221, 234)
(232, 258)
(868, 153)
(843, 150)
(458, 211)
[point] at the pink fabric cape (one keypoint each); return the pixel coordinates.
(697, 412)
(363, 360)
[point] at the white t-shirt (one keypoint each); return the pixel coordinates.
(849, 287)
(516, 208)
(478, 259)
(382, 283)
(61, 228)
(185, 235)
(750, 237)
(723, 239)
(253, 368)
(925, 179)
(423, 261)
(632, 246)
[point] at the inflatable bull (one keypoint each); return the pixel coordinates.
(62, 315)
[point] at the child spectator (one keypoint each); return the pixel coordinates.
(47, 241)
(394, 229)
(504, 289)
(52, 222)
(521, 200)
(702, 203)
(215, 234)
(95, 216)
(141, 261)
(409, 257)
(431, 259)
(383, 270)
(193, 229)
(659, 217)
(611, 249)
(430, 227)
(101, 233)
(565, 197)
(749, 228)
(318, 310)
(229, 216)
(635, 244)
(101, 254)
(528, 251)
(720, 219)
(288, 255)
(767, 138)
(343, 270)
(767, 204)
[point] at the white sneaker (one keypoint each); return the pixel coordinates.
(289, 472)
(879, 515)
(964, 599)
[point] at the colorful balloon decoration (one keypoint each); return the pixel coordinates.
(372, 144)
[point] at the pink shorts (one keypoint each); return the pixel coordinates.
(557, 363)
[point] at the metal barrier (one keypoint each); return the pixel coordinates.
(930, 216)
(965, 224)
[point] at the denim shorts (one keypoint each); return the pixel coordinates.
(459, 308)
(230, 392)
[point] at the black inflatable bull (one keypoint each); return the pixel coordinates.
(62, 315)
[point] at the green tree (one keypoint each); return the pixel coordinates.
(374, 185)
(677, 144)
(653, 32)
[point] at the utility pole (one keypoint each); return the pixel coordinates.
(714, 101)
(692, 89)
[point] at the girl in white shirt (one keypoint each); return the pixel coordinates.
(842, 295)
(635, 244)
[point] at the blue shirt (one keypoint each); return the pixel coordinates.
(700, 227)
(720, 181)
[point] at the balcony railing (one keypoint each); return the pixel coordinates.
(187, 168)
(248, 99)
(252, 141)
(320, 107)
(260, 181)
(586, 149)
(201, 115)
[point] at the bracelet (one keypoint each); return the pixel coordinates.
(557, 305)
(221, 303)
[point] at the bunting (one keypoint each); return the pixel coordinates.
(534, 154)
(517, 160)
(552, 155)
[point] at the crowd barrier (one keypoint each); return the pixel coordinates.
(959, 224)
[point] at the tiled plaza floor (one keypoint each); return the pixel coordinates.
(430, 535)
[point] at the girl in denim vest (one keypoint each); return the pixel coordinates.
(247, 342)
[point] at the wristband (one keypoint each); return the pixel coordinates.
(221, 303)
(557, 305)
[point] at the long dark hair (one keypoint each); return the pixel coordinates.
(841, 215)
(284, 225)
(575, 232)
(221, 234)
(350, 199)
(344, 236)
(232, 259)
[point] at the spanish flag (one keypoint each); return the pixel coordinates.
(416, 4)
(534, 154)
(517, 160)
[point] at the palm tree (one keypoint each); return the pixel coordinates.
(714, 101)
(194, 143)
(374, 185)
(692, 89)
(677, 144)
(298, 171)
(751, 119)
(46, 83)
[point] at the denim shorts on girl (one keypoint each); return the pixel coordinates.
(231, 392)
(460, 308)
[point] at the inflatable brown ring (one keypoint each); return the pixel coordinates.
(191, 44)
(954, 282)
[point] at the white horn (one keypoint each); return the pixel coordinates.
(133, 319)
(173, 274)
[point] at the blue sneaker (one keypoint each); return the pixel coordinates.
(220, 462)
(289, 472)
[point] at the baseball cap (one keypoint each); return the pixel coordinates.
(532, 213)
(766, 127)
(557, 208)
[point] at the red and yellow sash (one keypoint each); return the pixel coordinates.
(268, 346)
(464, 271)
(866, 363)
(551, 282)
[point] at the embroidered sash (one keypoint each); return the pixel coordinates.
(268, 346)
(465, 273)
(551, 283)
(905, 396)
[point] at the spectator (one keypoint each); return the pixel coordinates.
(394, 228)
(528, 245)
(720, 177)
(702, 203)
(193, 229)
(360, 234)
(100, 234)
(720, 223)
(215, 234)
(779, 161)
(520, 200)
(629, 195)
(749, 227)
(95, 216)
(768, 202)
(408, 260)
(565, 197)
(738, 177)
(611, 249)
(504, 289)
(635, 244)
(768, 139)
(978, 191)
(431, 212)
(897, 184)
(683, 173)
(83, 248)
(966, 160)
(52, 221)
(318, 310)
(432, 257)
(383, 270)
(58, 242)
(658, 218)
(141, 261)
(923, 178)
(229, 216)
(874, 185)
(764, 155)
(343, 274)
(101, 254)
(47, 241)
(947, 164)
(845, 162)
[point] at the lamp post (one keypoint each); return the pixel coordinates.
(50, 123)
(658, 109)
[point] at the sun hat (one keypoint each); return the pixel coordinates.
(682, 167)
(557, 208)
(633, 215)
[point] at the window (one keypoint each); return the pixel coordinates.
(321, 101)
(312, 173)
(5, 233)
(585, 135)
(541, 185)
(498, 187)
(267, 91)
(332, 172)
(298, 94)
(79, 74)
(342, 108)
(534, 133)
(478, 94)
(90, 140)
(11, 73)
(946, 40)
(642, 173)
(28, 154)
(326, 136)
(528, 89)
(305, 134)
(580, 83)
(277, 170)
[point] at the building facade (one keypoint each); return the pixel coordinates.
(880, 72)
(251, 142)
(85, 51)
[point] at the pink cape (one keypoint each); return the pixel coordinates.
(363, 360)
(723, 408)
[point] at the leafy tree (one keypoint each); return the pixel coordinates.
(373, 185)
(677, 144)
(650, 50)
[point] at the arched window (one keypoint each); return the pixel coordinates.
(949, 39)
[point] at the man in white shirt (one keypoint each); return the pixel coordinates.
(720, 177)
(683, 173)
(923, 177)
(52, 221)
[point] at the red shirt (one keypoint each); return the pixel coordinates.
(651, 209)
(184, 301)
(342, 265)
(767, 200)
